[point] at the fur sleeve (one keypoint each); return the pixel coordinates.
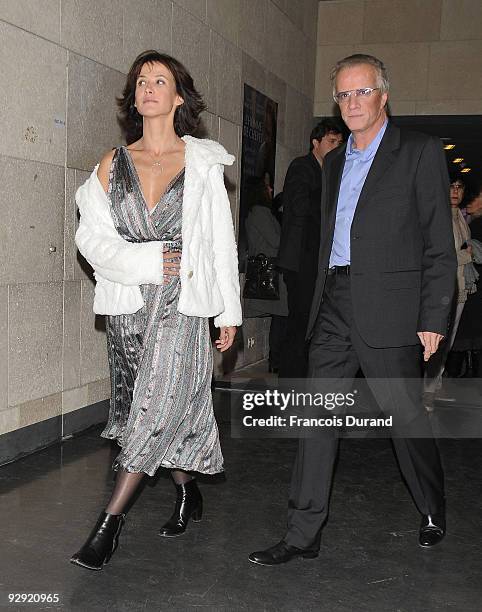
(225, 251)
(112, 257)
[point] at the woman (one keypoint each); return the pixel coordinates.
(435, 366)
(469, 333)
(156, 227)
(263, 235)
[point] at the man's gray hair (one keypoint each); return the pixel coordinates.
(361, 58)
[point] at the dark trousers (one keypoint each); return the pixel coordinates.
(338, 351)
(294, 353)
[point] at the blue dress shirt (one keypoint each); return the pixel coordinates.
(357, 165)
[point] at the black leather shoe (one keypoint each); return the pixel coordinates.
(101, 543)
(189, 504)
(280, 553)
(432, 530)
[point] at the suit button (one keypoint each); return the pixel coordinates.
(189, 274)
(356, 237)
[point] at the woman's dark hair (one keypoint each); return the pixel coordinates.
(186, 117)
(455, 175)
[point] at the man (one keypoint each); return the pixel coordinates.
(300, 243)
(387, 274)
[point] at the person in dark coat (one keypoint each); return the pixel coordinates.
(383, 297)
(300, 242)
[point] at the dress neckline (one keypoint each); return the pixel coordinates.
(138, 180)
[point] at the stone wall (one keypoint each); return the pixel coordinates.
(432, 49)
(63, 62)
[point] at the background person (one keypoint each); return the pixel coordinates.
(263, 235)
(436, 364)
(300, 242)
(469, 333)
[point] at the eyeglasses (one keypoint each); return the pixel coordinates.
(457, 186)
(364, 92)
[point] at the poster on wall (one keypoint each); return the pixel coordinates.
(257, 158)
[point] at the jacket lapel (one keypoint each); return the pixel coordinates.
(329, 199)
(334, 181)
(384, 157)
(315, 165)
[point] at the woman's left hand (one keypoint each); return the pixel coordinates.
(226, 338)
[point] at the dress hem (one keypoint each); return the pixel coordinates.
(119, 465)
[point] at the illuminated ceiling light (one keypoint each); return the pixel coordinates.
(466, 169)
(448, 147)
(458, 160)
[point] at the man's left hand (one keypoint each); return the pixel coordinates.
(430, 342)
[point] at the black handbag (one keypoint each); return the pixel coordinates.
(262, 278)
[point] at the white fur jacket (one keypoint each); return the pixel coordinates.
(209, 264)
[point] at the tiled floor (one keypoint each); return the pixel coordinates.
(369, 561)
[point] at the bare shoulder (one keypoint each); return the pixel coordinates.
(104, 169)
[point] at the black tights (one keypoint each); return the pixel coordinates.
(127, 483)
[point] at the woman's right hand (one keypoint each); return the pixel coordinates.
(171, 265)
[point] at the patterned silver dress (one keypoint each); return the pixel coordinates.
(160, 360)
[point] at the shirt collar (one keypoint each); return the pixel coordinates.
(369, 152)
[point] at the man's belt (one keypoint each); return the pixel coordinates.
(344, 270)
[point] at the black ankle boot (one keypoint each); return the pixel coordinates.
(101, 543)
(189, 503)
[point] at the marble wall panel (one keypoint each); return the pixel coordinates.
(44, 20)
(32, 97)
(35, 341)
(94, 29)
(31, 242)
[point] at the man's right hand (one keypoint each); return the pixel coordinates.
(430, 342)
